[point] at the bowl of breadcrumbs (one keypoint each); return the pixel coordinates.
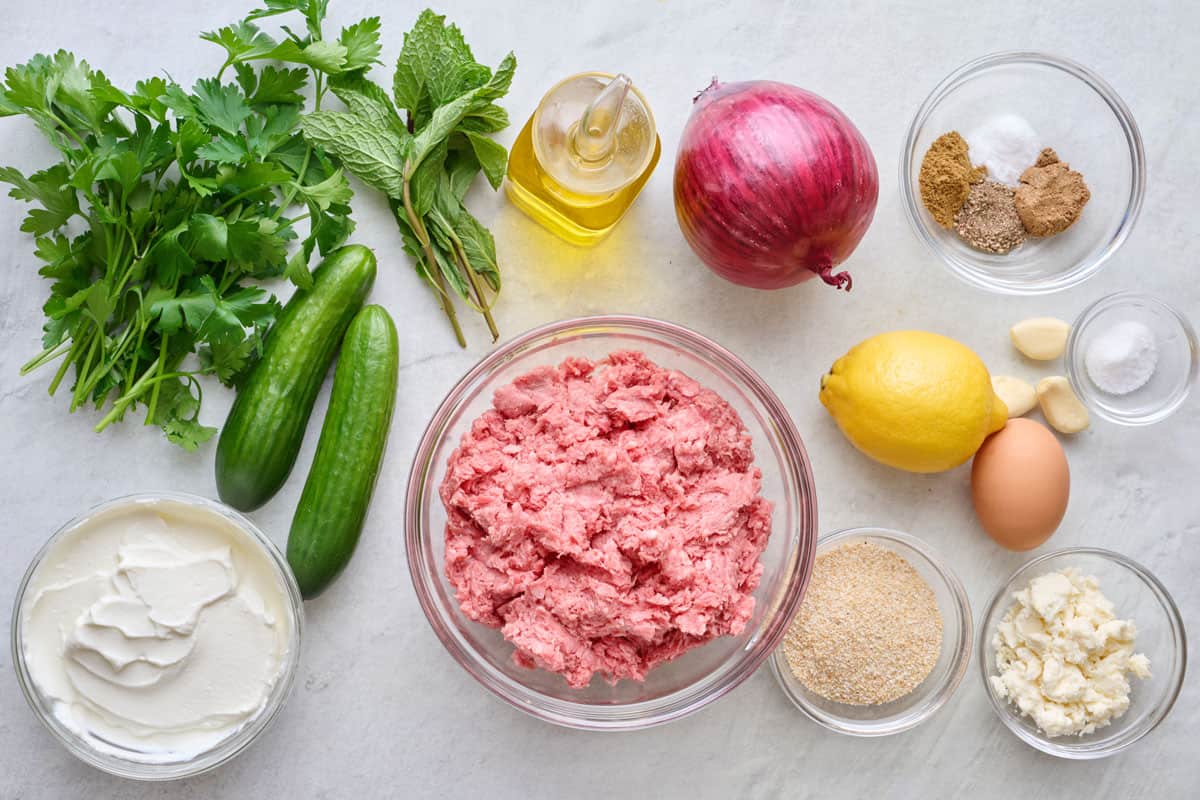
(882, 638)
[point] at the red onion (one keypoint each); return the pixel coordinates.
(773, 184)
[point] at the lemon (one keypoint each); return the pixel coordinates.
(913, 400)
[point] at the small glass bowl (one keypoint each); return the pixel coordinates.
(701, 675)
(120, 761)
(1136, 595)
(1174, 374)
(936, 690)
(1074, 111)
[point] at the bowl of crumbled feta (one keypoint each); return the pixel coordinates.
(1082, 653)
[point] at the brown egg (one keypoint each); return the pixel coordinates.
(1020, 484)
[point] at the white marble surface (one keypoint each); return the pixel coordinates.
(380, 709)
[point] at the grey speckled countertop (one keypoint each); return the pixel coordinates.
(380, 709)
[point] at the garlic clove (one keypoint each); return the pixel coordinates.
(1018, 396)
(1060, 405)
(1040, 338)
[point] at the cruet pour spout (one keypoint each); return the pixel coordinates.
(595, 137)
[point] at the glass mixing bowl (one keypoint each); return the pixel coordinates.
(936, 690)
(127, 763)
(1174, 372)
(1136, 595)
(701, 675)
(1075, 112)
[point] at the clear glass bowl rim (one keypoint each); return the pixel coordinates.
(942, 693)
(683, 702)
(1004, 710)
(1083, 385)
(224, 751)
(1133, 137)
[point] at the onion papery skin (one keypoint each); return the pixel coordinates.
(773, 184)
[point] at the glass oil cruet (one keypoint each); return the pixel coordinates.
(584, 156)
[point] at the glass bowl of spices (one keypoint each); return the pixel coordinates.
(1082, 652)
(1132, 358)
(1023, 172)
(883, 637)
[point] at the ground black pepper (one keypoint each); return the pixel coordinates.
(988, 220)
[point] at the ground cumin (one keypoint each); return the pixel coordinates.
(1051, 196)
(946, 177)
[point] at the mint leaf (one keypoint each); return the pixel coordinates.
(447, 117)
(480, 248)
(492, 157)
(418, 58)
(425, 179)
(373, 154)
(461, 168)
(489, 119)
(367, 101)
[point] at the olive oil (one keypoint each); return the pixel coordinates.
(584, 156)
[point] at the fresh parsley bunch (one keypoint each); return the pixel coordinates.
(426, 161)
(167, 204)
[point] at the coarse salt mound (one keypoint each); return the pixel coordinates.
(606, 517)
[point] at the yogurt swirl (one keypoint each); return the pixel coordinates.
(158, 629)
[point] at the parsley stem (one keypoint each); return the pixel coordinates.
(46, 356)
(106, 366)
(148, 379)
(239, 196)
(79, 338)
(69, 131)
(295, 187)
(158, 366)
(83, 377)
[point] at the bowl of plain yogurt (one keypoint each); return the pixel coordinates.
(157, 635)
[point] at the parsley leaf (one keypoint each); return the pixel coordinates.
(222, 107)
(188, 433)
(361, 41)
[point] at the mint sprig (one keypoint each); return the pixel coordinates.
(425, 160)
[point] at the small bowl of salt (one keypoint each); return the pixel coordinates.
(1132, 358)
